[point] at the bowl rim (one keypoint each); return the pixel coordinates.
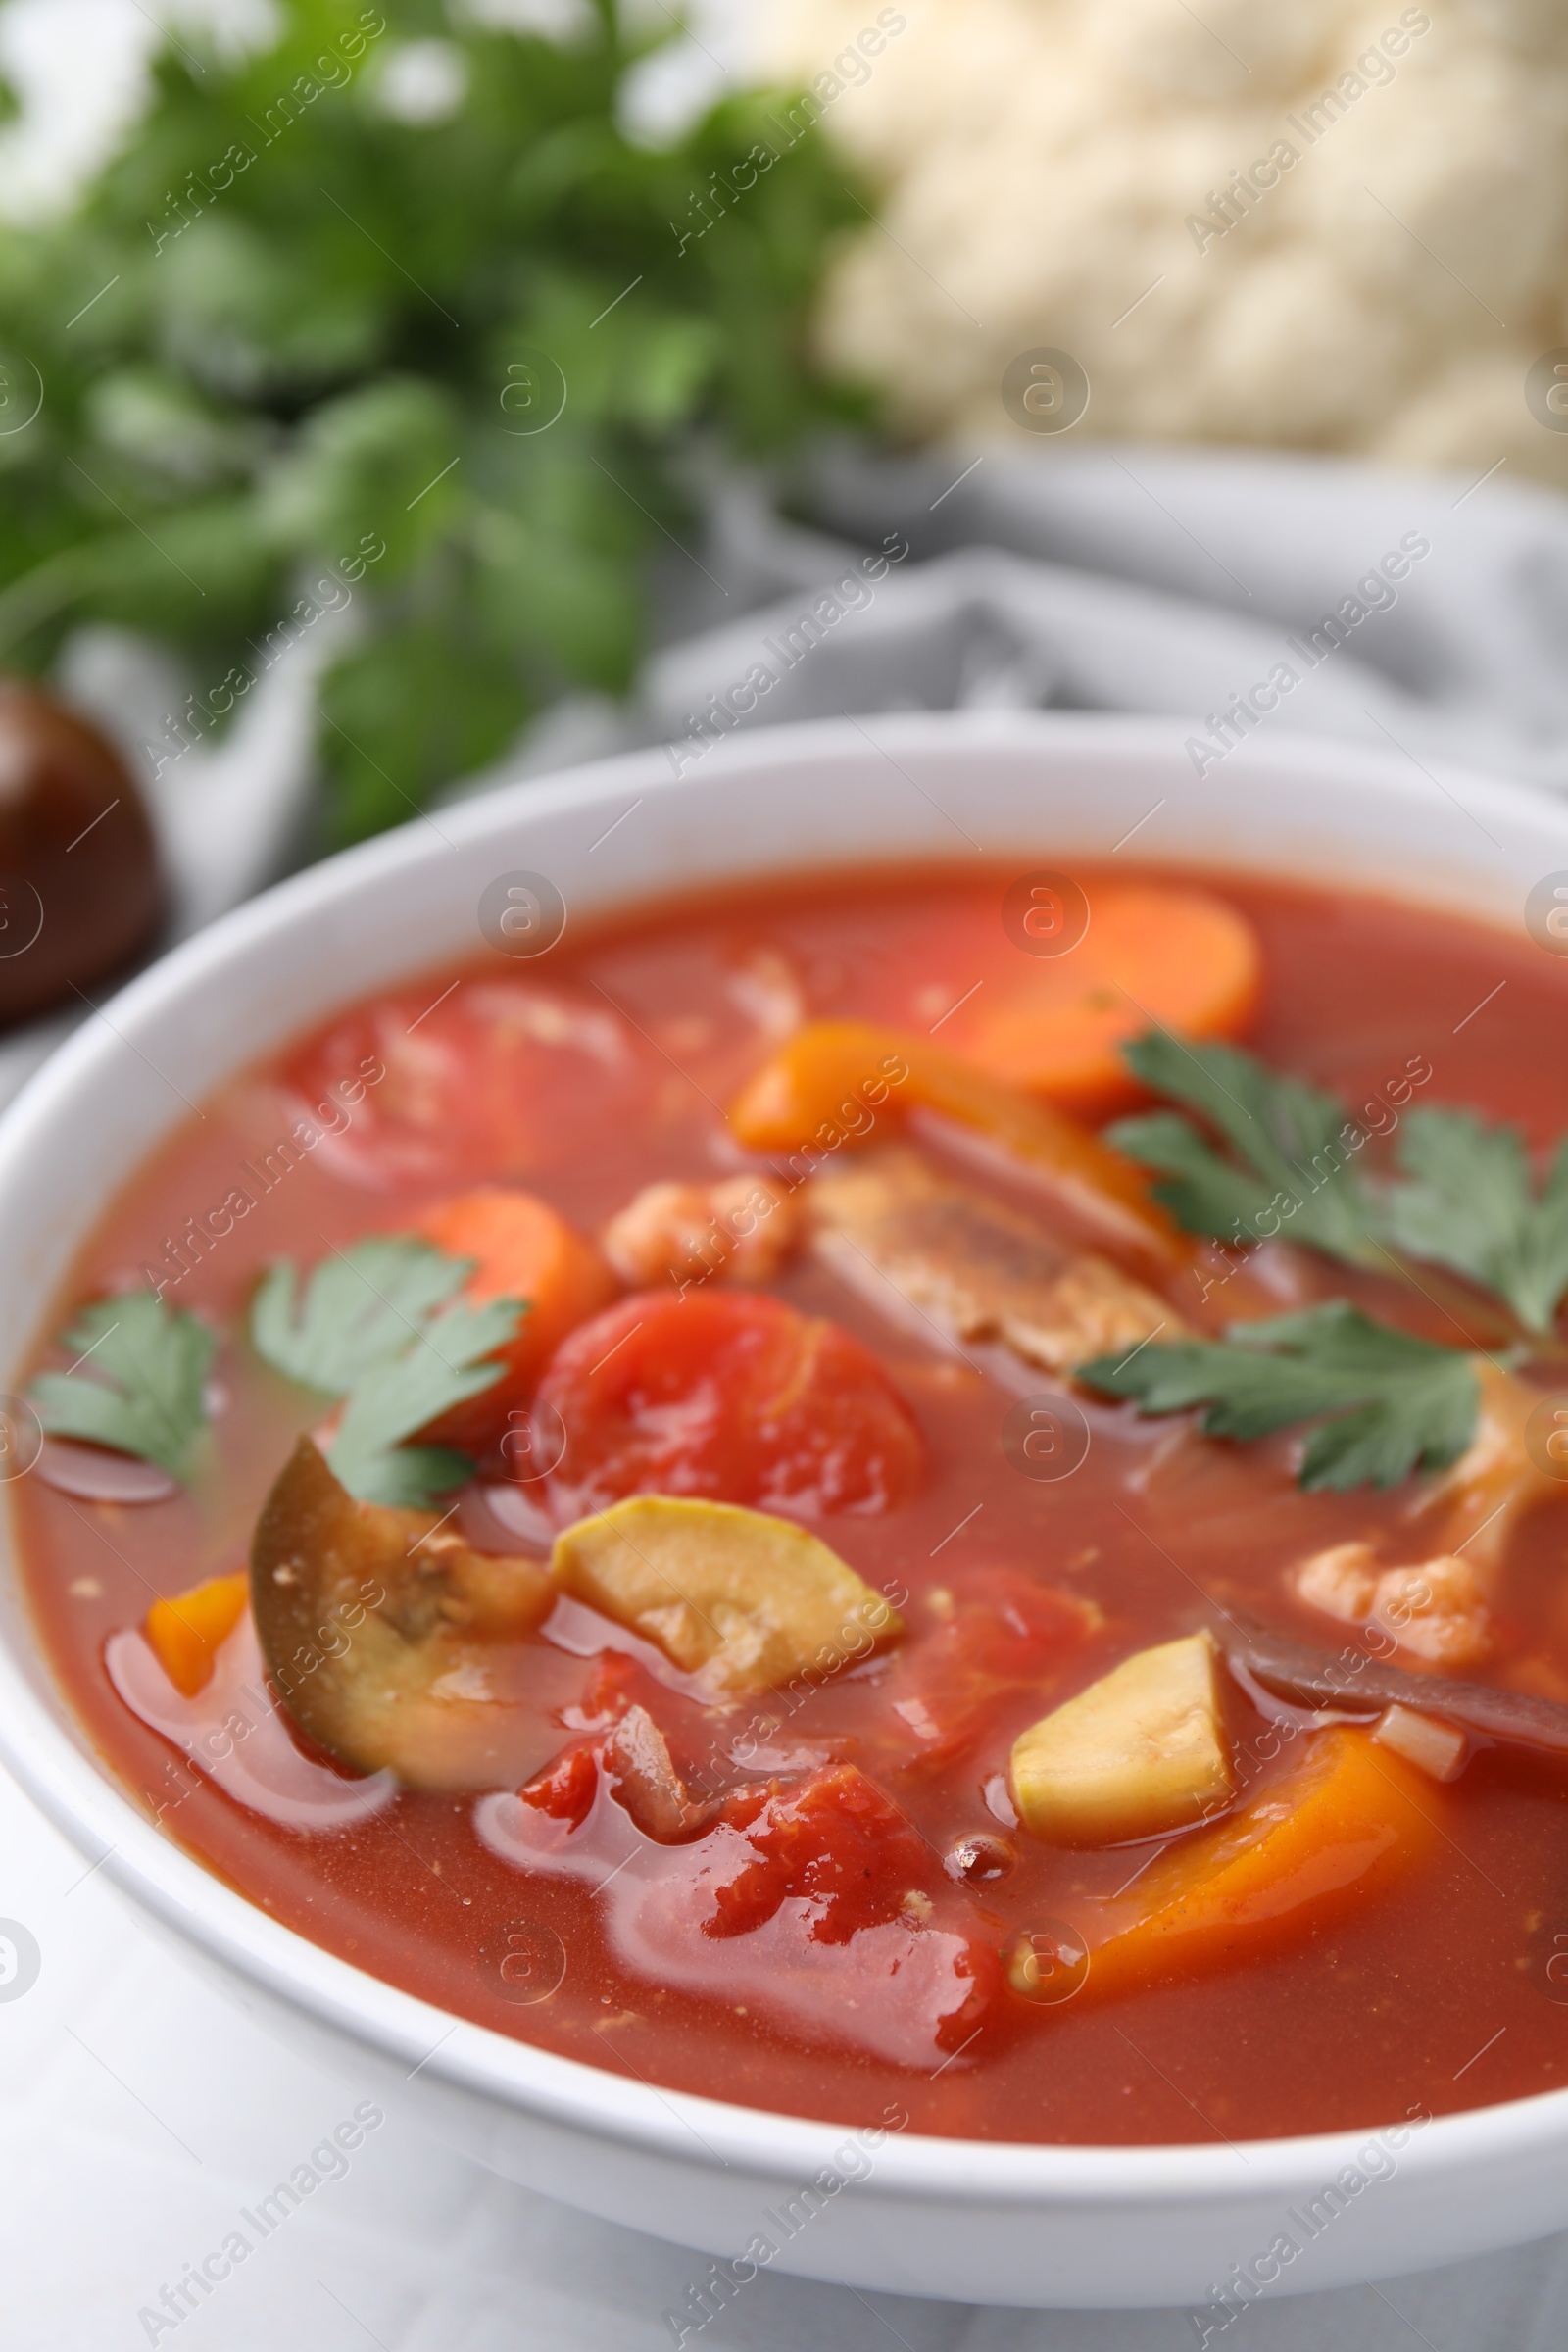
(86, 1803)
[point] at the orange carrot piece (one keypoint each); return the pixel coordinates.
(1350, 1816)
(1154, 955)
(837, 1083)
(522, 1250)
(186, 1633)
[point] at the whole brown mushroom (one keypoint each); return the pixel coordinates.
(80, 890)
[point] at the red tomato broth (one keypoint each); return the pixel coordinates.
(1369, 2014)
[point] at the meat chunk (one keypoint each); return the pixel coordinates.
(889, 1224)
(1479, 1502)
(1434, 1609)
(739, 1230)
(1342, 1582)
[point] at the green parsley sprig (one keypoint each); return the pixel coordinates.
(1289, 1154)
(138, 1383)
(1468, 1203)
(380, 1327)
(1274, 1154)
(1384, 1402)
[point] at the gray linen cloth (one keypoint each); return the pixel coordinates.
(1424, 613)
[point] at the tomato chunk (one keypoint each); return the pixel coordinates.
(837, 1843)
(818, 1905)
(1004, 1633)
(489, 1078)
(565, 1790)
(729, 1394)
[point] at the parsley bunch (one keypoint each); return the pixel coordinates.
(296, 351)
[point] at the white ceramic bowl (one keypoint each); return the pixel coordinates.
(1033, 2225)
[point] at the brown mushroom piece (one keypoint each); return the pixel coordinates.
(389, 1638)
(1357, 1684)
(79, 885)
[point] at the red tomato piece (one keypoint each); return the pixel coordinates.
(819, 1906)
(497, 1078)
(730, 1395)
(565, 1790)
(617, 1683)
(838, 1841)
(1004, 1633)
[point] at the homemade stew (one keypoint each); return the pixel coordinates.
(926, 1488)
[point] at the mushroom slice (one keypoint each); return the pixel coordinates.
(905, 1237)
(745, 1601)
(382, 1629)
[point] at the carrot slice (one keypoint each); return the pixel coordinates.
(1350, 1816)
(186, 1633)
(522, 1250)
(1151, 958)
(839, 1083)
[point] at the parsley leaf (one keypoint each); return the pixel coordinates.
(1464, 1200)
(375, 1325)
(143, 1389)
(1387, 1403)
(1468, 1204)
(360, 1306)
(444, 1366)
(1292, 1144)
